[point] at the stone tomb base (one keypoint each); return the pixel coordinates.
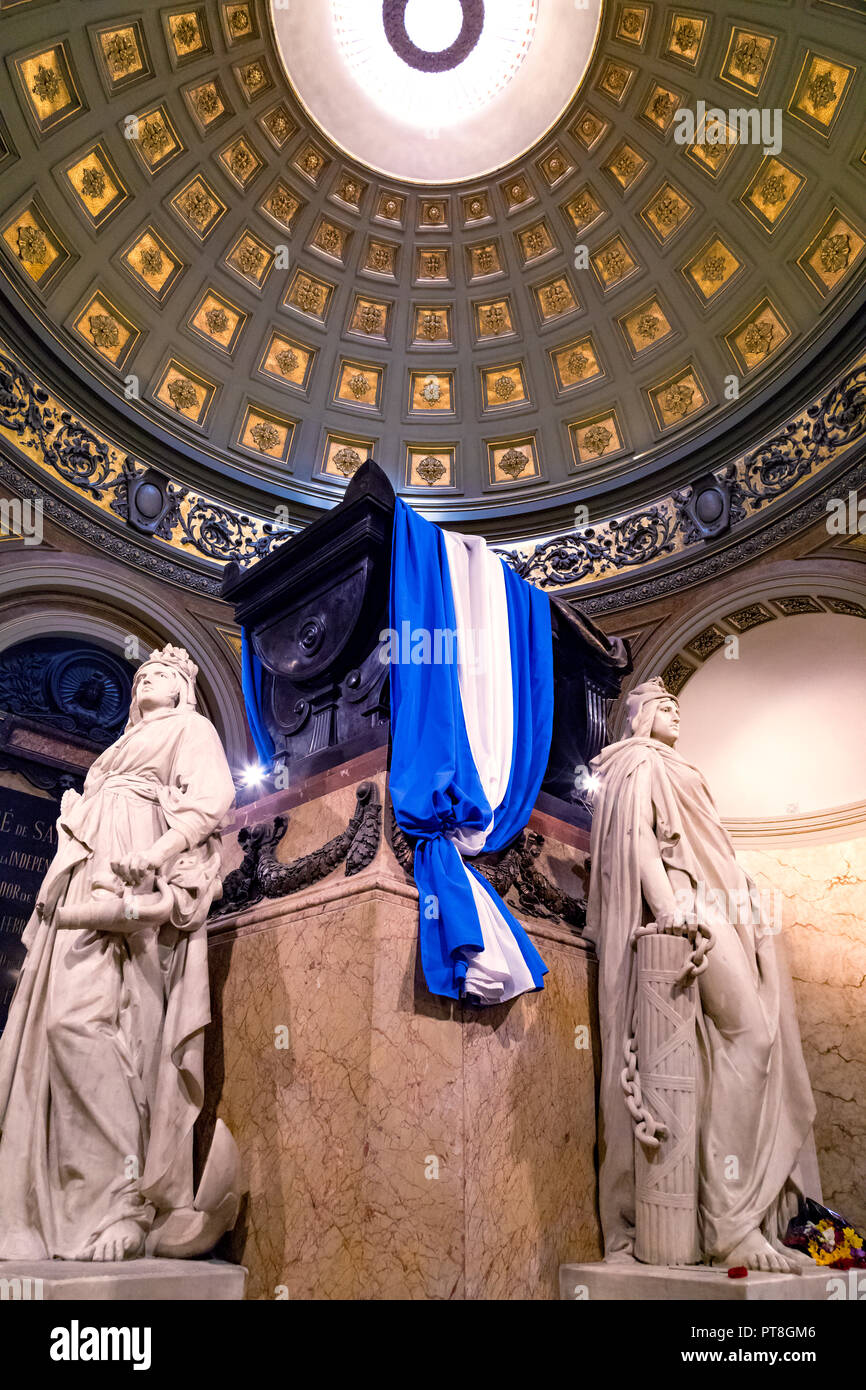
(646, 1283)
(397, 1145)
(121, 1281)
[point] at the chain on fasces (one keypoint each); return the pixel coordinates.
(647, 1129)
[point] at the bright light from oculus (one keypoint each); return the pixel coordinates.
(254, 774)
(431, 101)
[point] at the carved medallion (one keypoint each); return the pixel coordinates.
(359, 385)
(121, 52)
(431, 391)
(370, 319)
(46, 84)
(104, 330)
(758, 337)
(217, 320)
(265, 435)
(513, 462)
(93, 183)
(183, 394)
(32, 246)
(433, 326)
(835, 252)
(678, 398)
(577, 363)
(287, 361)
(648, 326)
(348, 461)
(431, 469)
(597, 438)
(504, 387)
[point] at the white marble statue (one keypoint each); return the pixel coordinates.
(659, 853)
(101, 1063)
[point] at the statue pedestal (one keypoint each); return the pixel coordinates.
(633, 1282)
(121, 1281)
(396, 1145)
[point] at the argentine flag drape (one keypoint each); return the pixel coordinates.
(251, 684)
(470, 735)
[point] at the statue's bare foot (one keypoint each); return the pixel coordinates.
(755, 1252)
(798, 1259)
(122, 1240)
(620, 1257)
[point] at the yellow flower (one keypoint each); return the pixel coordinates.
(852, 1238)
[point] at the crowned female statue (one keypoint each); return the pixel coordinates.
(659, 854)
(101, 1063)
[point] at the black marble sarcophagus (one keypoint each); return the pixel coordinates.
(315, 610)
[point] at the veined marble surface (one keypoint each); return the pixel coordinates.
(398, 1146)
(823, 891)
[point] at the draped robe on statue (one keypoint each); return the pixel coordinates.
(755, 1103)
(101, 1063)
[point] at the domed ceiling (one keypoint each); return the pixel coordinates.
(261, 235)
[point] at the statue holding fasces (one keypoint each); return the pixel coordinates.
(101, 1062)
(706, 1111)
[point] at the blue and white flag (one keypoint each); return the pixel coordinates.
(471, 719)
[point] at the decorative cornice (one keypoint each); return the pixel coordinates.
(43, 439)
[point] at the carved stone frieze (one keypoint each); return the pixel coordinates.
(262, 875)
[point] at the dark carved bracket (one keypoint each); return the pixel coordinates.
(514, 867)
(261, 875)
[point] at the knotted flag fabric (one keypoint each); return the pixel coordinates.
(471, 658)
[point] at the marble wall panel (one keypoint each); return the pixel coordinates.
(823, 890)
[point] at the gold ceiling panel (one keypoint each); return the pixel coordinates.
(359, 385)
(576, 364)
(712, 269)
(95, 184)
(241, 161)
(152, 135)
(309, 295)
(106, 330)
(287, 361)
(770, 194)
(186, 34)
(278, 124)
(833, 252)
(122, 57)
(154, 264)
(678, 397)
(747, 60)
(431, 393)
(266, 433)
(431, 466)
(216, 321)
(819, 92)
(645, 327)
(503, 387)
(282, 205)
(598, 436)
(758, 337)
(432, 325)
(198, 207)
(511, 461)
(182, 390)
(49, 86)
(685, 36)
(35, 245)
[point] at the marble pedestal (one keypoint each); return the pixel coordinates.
(648, 1283)
(121, 1281)
(397, 1145)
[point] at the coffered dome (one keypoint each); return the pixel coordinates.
(198, 223)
